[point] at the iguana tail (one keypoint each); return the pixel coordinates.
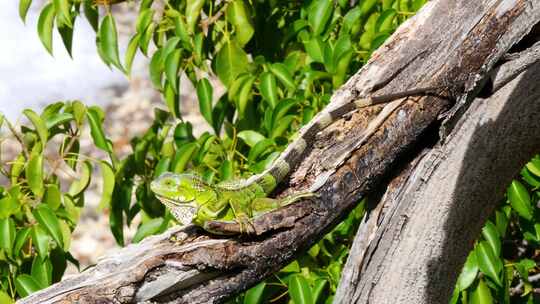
(292, 155)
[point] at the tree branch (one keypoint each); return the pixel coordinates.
(189, 266)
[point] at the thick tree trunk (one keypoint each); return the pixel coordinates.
(449, 43)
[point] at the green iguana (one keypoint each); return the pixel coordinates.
(191, 200)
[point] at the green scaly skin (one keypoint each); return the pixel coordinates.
(191, 200)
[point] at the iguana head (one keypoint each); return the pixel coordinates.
(183, 194)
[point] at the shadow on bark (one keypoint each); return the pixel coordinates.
(477, 201)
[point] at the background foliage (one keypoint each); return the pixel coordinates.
(279, 62)
(502, 267)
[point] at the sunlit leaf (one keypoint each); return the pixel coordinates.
(520, 200)
(45, 26)
(7, 235)
(204, 93)
(284, 76)
(193, 11)
(39, 125)
(250, 137)
(25, 285)
(239, 15)
(231, 60)
(488, 263)
(319, 14)
(150, 227)
(172, 66)
(107, 174)
(268, 88)
(24, 5)
(42, 271)
(108, 41)
(255, 294)
(34, 172)
(481, 294)
(299, 290)
(95, 119)
(48, 220)
(468, 273)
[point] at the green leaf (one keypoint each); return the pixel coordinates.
(172, 65)
(282, 109)
(299, 290)
(108, 41)
(468, 273)
(534, 166)
(7, 235)
(488, 263)
(48, 220)
(5, 298)
(268, 88)
(282, 125)
(52, 196)
(481, 294)
(156, 67)
(66, 235)
(91, 13)
(172, 100)
(226, 170)
(524, 266)
(193, 11)
(318, 290)
(78, 186)
(24, 5)
(130, 52)
(150, 227)
(42, 271)
(183, 156)
(520, 200)
(20, 240)
(230, 61)
(319, 14)
(385, 21)
(143, 20)
(25, 285)
(255, 294)
(490, 233)
(250, 137)
(34, 172)
(108, 178)
(244, 95)
(314, 47)
(238, 15)
(367, 6)
(62, 8)
(10, 204)
(180, 29)
(205, 93)
(283, 74)
(45, 26)
(146, 37)
(39, 125)
(58, 119)
(260, 148)
(40, 239)
(95, 119)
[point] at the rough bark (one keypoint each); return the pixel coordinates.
(413, 251)
(451, 43)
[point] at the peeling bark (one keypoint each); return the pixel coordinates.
(451, 43)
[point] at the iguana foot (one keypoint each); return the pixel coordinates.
(246, 225)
